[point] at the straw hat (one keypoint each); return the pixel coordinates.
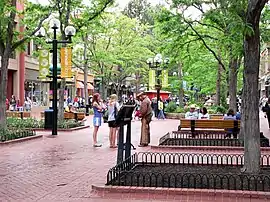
(193, 106)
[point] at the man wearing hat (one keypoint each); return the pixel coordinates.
(146, 116)
(192, 114)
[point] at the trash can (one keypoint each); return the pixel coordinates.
(87, 110)
(48, 117)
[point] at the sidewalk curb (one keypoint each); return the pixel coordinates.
(165, 193)
(62, 130)
(21, 140)
(204, 148)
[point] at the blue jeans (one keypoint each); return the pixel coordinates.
(161, 114)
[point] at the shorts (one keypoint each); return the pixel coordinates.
(112, 124)
(97, 121)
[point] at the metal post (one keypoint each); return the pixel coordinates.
(158, 89)
(120, 153)
(54, 42)
(128, 141)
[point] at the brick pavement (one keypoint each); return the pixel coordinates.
(65, 167)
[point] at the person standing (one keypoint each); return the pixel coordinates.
(146, 116)
(160, 109)
(98, 109)
(7, 104)
(28, 104)
(266, 110)
(13, 103)
(113, 107)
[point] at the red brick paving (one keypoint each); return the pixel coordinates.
(64, 168)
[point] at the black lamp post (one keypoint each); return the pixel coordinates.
(158, 64)
(69, 32)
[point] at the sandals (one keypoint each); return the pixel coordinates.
(97, 145)
(113, 146)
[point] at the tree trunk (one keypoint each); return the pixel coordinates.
(61, 100)
(85, 72)
(181, 91)
(250, 114)
(3, 89)
(233, 66)
(103, 89)
(218, 84)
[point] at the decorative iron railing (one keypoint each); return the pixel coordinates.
(204, 138)
(140, 170)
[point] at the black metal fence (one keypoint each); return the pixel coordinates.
(13, 133)
(204, 138)
(199, 134)
(169, 170)
(202, 142)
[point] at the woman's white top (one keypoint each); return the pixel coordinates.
(204, 116)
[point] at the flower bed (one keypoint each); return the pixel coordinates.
(15, 133)
(34, 123)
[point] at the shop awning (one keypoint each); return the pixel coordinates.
(90, 86)
(79, 84)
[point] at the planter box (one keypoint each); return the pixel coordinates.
(21, 139)
(64, 129)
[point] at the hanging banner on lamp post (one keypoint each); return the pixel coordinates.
(44, 63)
(165, 78)
(152, 79)
(66, 64)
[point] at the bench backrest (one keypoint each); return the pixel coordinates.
(210, 123)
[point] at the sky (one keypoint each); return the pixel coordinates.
(121, 3)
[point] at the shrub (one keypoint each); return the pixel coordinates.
(15, 133)
(34, 123)
(171, 107)
(13, 122)
(70, 123)
(180, 110)
(221, 109)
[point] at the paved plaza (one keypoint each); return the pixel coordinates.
(65, 167)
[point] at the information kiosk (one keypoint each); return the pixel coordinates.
(124, 117)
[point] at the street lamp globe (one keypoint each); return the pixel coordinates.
(166, 60)
(70, 31)
(55, 23)
(149, 61)
(41, 32)
(158, 59)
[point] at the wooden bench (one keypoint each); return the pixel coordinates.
(69, 115)
(209, 124)
(18, 114)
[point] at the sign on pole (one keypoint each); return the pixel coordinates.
(66, 63)
(152, 79)
(44, 63)
(165, 78)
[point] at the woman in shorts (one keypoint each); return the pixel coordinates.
(98, 109)
(113, 107)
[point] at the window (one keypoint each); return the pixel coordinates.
(28, 48)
